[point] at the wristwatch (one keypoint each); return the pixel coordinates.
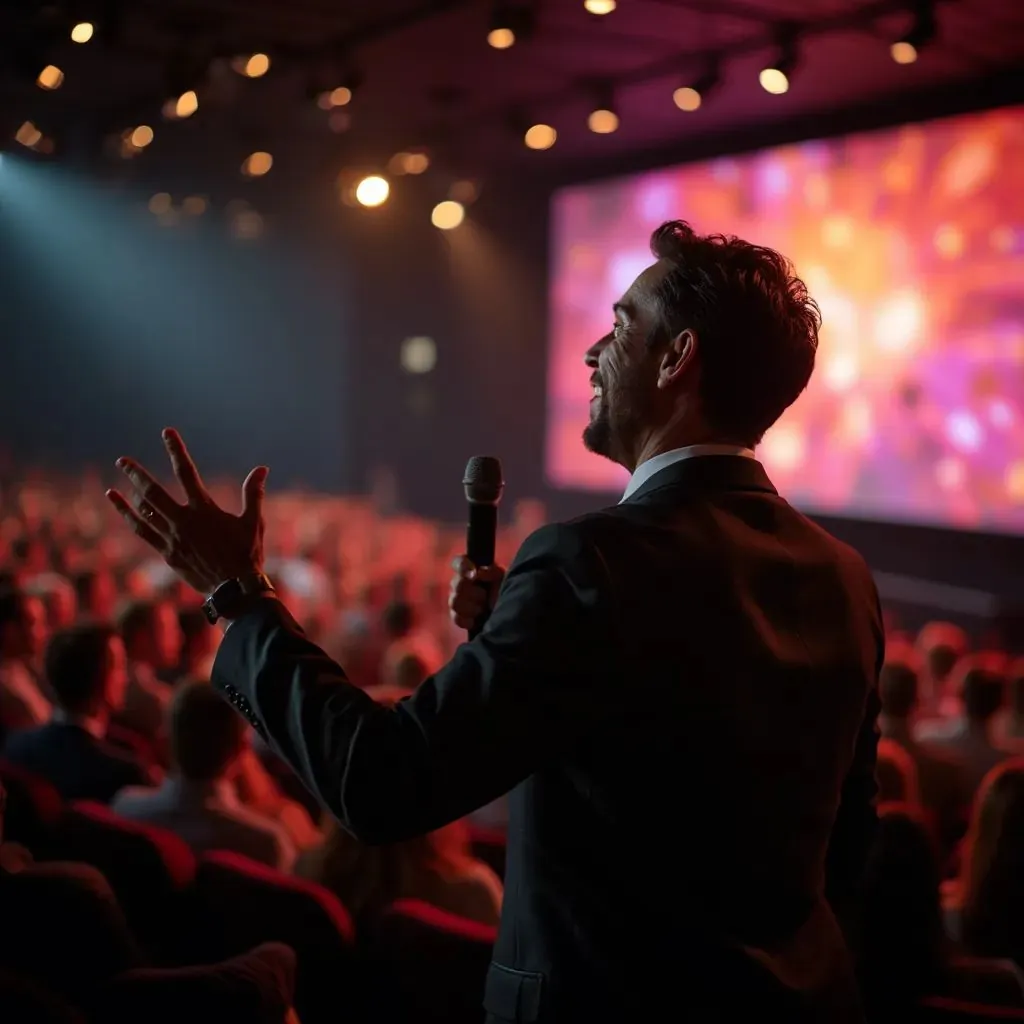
(233, 597)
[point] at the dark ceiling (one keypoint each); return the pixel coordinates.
(428, 76)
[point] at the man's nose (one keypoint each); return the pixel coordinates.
(591, 356)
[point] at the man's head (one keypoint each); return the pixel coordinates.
(206, 734)
(96, 592)
(710, 344)
(398, 619)
(942, 645)
(23, 628)
(87, 669)
(897, 689)
(151, 633)
(983, 688)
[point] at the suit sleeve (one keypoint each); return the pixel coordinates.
(519, 695)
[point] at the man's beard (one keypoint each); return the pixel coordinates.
(597, 434)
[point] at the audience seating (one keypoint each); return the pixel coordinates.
(243, 904)
(490, 846)
(430, 965)
(149, 869)
(939, 1010)
(33, 812)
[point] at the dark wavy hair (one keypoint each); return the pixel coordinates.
(757, 328)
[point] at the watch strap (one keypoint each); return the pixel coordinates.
(230, 598)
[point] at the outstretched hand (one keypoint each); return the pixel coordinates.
(200, 541)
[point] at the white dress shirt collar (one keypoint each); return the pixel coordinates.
(647, 469)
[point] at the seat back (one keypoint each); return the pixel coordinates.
(489, 845)
(34, 808)
(939, 1010)
(431, 965)
(148, 868)
(244, 903)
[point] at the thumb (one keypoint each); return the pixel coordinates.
(253, 490)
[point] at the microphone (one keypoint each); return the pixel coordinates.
(483, 485)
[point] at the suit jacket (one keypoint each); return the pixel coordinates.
(679, 692)
(78, 765)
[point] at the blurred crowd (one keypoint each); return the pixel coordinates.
(105, 662)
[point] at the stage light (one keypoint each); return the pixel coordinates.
(141, 137)
(447, 215)
(600, 7)
(50, 78)
(464, 191)
(774, 80)
(247, 225)
(501, 38)
(257, 65)
(540, 136)
(341, 96)
(687, 98)
(28, 135)
(82, 32)
(903, 52)
(603, 121)
(257, 164)
(419, 354)
(373, 190)
(160, 203)
(186, 104)
(194, 206)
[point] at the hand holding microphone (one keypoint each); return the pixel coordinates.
(475, 585)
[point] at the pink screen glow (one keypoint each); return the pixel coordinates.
(912, 241)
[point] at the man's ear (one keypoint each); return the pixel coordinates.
(679, 358)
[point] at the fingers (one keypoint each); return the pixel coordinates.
(184, 468)
(466, 570)
(253, 491)
(136, 521)
(148, 490)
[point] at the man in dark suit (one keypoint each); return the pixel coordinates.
(86, 668)
(678, 690)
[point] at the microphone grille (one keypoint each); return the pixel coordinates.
(482, 481)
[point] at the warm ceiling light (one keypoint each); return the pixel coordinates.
(903, 52)
(257, 164)
(160, 203)
(603, 121)
(600, 6)
(257, 65)
(28, 135)
(416, 163)
(774, 80)
(373, 190)
(341, 96)
(540, 136)
(194, 206)
(187, 104)
(687, 98)
(501, 38)
(447, 215)
(465, 191)
(141, 137)
(82, 32)
(50, 77)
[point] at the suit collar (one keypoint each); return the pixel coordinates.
(709, 472)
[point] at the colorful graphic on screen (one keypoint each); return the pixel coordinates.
(912, 242)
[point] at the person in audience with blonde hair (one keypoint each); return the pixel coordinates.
(988, 903)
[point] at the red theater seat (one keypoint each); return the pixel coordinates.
(243, 904)
(149, 869)
(939, 1010)
(490, 846)
(34, 809)
(431, 964)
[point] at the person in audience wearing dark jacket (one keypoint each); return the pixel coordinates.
(22, 638)
(85, 666)
(904, 954)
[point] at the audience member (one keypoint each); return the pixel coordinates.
(22, 640)
(941, 645)
(896, 774)
(199, 642)
(967, 736)
(1008, 728)
(58, 597)
(404, 637)
(96, 592)
(152, 638)
(197, 800)
(990, 899)
(903, 953)
(86, 669)
(943, 779)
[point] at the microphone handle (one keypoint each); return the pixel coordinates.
(480, 538)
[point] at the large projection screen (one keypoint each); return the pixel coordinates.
(912, 241)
